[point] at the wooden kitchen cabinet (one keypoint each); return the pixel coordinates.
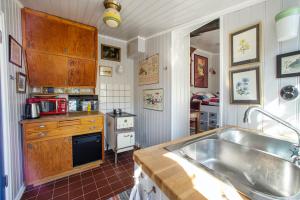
(47, 69)
(48, 146)
(59, 49)
(81, 72)
(48, 158)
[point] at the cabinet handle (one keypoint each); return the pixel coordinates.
(30, 146)
(126, 135)
(42, 134)
(42, 126)
(92, 128)
(92, 121)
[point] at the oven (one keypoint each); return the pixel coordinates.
(50, 106)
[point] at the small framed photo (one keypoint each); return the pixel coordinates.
(15, 52)
(288, 64)
(245, 86)
(245, 46)
(21, 83)
(110, 53)
(200, 71)
(106, 71)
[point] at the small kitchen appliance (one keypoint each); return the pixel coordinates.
(50, 106)
(32, 110)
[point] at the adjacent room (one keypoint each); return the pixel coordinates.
(149, 100)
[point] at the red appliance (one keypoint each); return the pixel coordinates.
(50, 106)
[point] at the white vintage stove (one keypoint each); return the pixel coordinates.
(120, 135)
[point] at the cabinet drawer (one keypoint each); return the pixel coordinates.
(91, 120)
(41, 134)
(125, 140)
(41, 126)
(203, 116)
(213, 116)
(69, 122)
(90, 128)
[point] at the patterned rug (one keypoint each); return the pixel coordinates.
(122, 196)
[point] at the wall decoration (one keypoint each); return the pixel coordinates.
(153, 99)
(192, 49)
(245, 46)
(21, 82)
(15, 52)
(106, 71)
(288, 64)
(148, 70)
(200, 71)
(110, 53)
(245, 86)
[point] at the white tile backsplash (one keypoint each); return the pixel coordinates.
(114, 96)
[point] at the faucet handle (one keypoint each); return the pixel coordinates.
(295, 150)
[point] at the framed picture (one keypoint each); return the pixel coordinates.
(288, 64)
(110, 53)
(200, 71)
(15, 52)
(21, 82)
(153, 99)
(148, 70)
(245, 46)
(106, 71)
(245, 86)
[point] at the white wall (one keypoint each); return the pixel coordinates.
(119, 85)
(213, 79)
(154, 127)
(13, 102)
(271, 101)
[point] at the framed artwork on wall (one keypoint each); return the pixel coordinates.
(21, 82)
(106, 71)
(15, 52)
(288, 64)
(200, 71)
(110, 53)
(245, 86)
(245, 46)
(153, 99)
(148, 70)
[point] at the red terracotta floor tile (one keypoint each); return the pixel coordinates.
(102, 182)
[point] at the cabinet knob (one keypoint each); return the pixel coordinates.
(42, 134)
(30, 146)
(92, 128)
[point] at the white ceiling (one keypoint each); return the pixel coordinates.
(209, 41)
(140, 17)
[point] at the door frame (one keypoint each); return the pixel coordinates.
(4, 104)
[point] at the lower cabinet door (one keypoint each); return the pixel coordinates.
(47, 158)
(125, 140)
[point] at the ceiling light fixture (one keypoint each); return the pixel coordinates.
(111, 15)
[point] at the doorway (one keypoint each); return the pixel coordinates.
(205, 76)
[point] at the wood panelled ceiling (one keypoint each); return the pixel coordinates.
(140, 17)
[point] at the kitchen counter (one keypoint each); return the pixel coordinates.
(70, 115)
(178, 178)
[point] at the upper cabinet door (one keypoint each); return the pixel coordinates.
(46, 69)
(82, 42)
(44, 33)
(82, 72)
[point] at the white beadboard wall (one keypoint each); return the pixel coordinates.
(15, 101)
(290, 111)
(154, 127)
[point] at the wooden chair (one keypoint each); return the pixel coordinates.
(194, 115)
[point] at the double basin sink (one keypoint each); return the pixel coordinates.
(259, 167)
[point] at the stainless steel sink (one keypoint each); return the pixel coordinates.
(254, 164)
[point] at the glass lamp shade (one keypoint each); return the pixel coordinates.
(112, 18)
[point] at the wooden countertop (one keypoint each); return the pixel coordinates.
(178, 178)
(75, 115)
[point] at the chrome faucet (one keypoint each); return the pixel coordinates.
(296, 147)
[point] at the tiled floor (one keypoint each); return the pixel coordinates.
(100, 183)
